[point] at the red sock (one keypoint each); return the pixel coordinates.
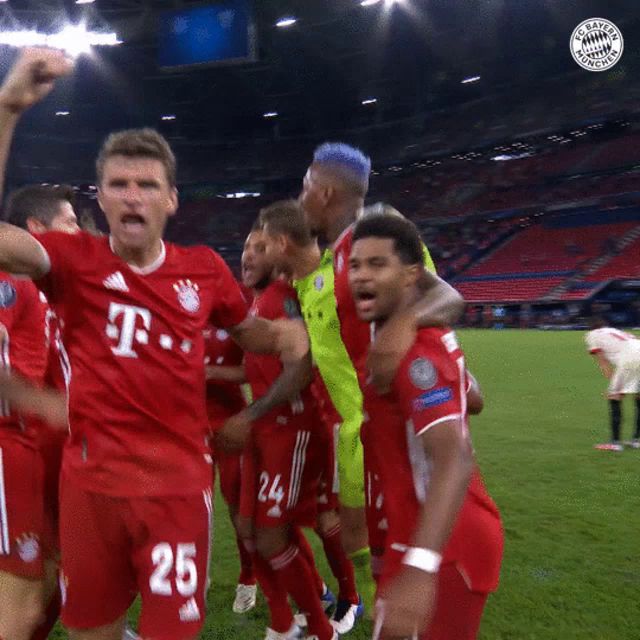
(51, 616)
(246, 565)
(274, 592)
(305, 549)
(341, 566)
(295, 575)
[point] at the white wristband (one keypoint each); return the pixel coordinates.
(423, 559)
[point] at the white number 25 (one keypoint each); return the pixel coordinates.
(162, 557)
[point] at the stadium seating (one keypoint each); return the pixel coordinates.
(510, 290)
(540, 248)
(626, 264)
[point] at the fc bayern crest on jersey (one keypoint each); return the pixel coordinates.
(188, 295)
(28, 547)
(221, 335)
(423, 374)
(7, 294)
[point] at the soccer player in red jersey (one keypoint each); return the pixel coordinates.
(40, 208)
(281, 463)
(135, 503)
(333, 194)
(444, 538)
(223, 358)
(27, 547)
(293, 250)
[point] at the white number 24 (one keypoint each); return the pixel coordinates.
(276, 493)
(162, 557)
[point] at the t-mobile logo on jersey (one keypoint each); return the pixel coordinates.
(128, 333)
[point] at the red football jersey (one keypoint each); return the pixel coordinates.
(224, 399)
(356, 334)
(22, 343)
(58, 369)
(429, 388)
(328, 413)
(137, 406)
(277, 301)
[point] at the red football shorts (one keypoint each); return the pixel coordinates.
(281, 471)
(229, 473)
(114, 548)
(374, 511)
(458, 610)
(27, 535)
(51, 443)
(329, 484)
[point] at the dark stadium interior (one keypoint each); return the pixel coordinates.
(524, 182)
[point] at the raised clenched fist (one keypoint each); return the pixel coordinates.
(32, 77)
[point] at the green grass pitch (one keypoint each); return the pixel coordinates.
(571, 514)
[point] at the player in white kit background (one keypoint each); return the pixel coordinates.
(618, 354)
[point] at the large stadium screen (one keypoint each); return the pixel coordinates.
(217, 34)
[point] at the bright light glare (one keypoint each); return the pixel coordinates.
(368, 3)
(62, 113)
(85, 1)
(243, 194)
(286, 22)
(167, 118)
(270, 114)
(370, 101)
(470, 79)
(74, 39)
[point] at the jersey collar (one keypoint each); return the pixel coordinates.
(341, 237)
(150, 268)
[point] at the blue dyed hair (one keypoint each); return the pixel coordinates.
(352, 163)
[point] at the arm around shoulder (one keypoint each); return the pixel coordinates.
(21, 253)
(439, 305)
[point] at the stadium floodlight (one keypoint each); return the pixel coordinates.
(368, 3)
(286, 22)
(243, 194)
(62, 113)
(370, 101)
(168, 118)
(73, 39)
(470, 79)
(270, 114)
(85, 1)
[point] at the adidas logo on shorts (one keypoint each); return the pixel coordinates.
(275, 511)
(189, 611)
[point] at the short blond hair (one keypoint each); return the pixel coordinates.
(138, 143)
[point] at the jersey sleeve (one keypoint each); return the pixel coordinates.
(63, 250)
(593, 343)
(230, 307)
(430, 387)
(32, 357)
(289, 306)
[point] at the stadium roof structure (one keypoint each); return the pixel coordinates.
(341, 67)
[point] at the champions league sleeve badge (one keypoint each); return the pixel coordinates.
(423, 374)
(596, 44)
(7, 294)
